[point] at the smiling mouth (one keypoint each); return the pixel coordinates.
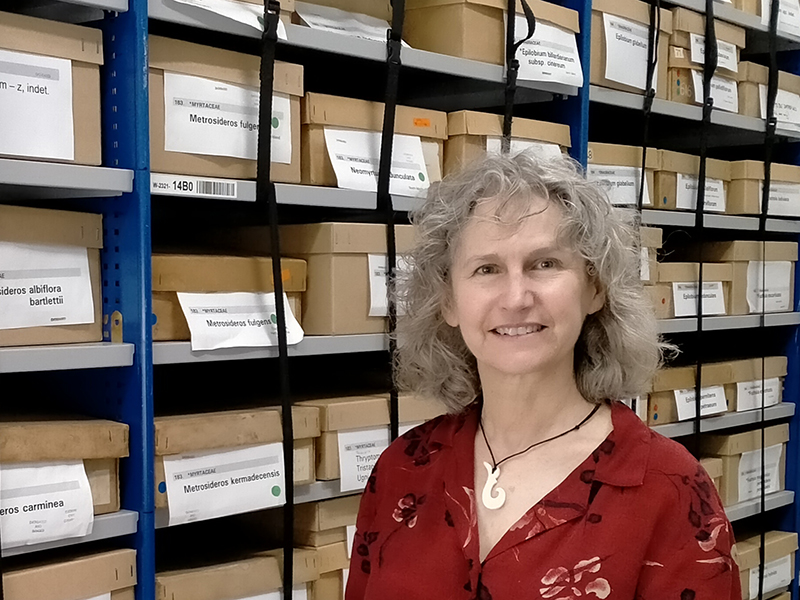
(518, 331)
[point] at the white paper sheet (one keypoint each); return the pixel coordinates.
(236, 320)
(787, 107)
(36, 104)
(326, 18)
(784, 199)
(246, 13)
(750, 480)
(724, 91)
(749, 394)
(644, 264)
(359, 450)
(621, 184)
(550, 55)
(404, 428)
(684, 298)
(777, 574)
(345, 577)
(788, 17)
(299, 592)
(769, 286)
(351, 536)
(627, 44)
(206, 485)
(44, 285)
(43, 502)
(712, 402)
(378, 292)
(355, 156)
(727, 57)
(542, 150)
(106, 596)
(687, 194)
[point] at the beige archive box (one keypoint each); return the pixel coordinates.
(637, 15)
(321, 111)
(471, 134)
(747, 179)
(473, 29)
(83, 47)
(686, 22)
(746, 380)
(52, 228)
(198, 273)
(98, 443)
(609, 161)
(257, 575)
(234, 429)
(779, 557)
(662, 402)
(713, 466)
(74, 576)
(676, 182)
(322, 523)
(651, 239)
(751, 77)
(329, 586)
(739, 447)
(680, 280)
(357, 412)
(169, 56)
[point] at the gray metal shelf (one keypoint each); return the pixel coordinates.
(675, 218)
(320, 490)
(116, 5)
(165, 353)
(124, 522)
(784, 410)
(674, 430)
(753, 507)
(689, 324)
(27, 179)
(27, 359)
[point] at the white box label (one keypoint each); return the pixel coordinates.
(550, 55)
(299, 592)
(727, 57)
(621, 184)
(43, 502)
(684, 298)
(687, 194)
(777, 574)
(247, 13)
(378, 290)
(207, 485)
(216, 118)
(355, 156)
(750, 480)
(542, 150)
(404, 428)
(345, 577)
(36, 104)
(784, 199)
(724, 91)
(44, 285)
(351, 536)
(194, 187)
(358, 25)
(644, 262)
(787, 106)
(712, 402)
(788, 17)
(749, 394)
(769, 285)
(236, 320)
(627, 44)
(359, 450)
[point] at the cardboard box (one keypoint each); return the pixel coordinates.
(662, 294)
(686, 22)
(327, 515)
(742, 254)
(333, 557)
(224, 430)
(473, 29)
(675, 165)
(84, 47)
(753, 75)
(686, 83)
(662, 407)
(175, 56)
(321, 111)
(731, 448)
(747, 179)
(254, 576)
(639, 13)
(173, 273)
(616, 156)
(469, 131)
(64, 228)
(750, 370)
(77, 576)
(713, 466)
(779, 557)
(329, 586)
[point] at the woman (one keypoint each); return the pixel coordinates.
(526, 317)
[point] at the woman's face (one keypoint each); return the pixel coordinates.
(519, 296)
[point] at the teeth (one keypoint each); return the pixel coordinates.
(515, 331)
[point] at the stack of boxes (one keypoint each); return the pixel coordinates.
(619, 169)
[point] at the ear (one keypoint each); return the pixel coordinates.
(598, 297)
(448, 313)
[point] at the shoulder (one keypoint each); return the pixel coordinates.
(418, 446)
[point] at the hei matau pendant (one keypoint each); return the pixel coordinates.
(490, 500)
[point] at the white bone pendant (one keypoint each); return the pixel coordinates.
(490, 500)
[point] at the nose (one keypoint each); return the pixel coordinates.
(518, 292)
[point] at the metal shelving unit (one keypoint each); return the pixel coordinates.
(689, 324)
(749, 508)
(117, 5)
(784, 410)
(34, 180)
(26, 359)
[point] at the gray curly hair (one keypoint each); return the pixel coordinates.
(619, 348)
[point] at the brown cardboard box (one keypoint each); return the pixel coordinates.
(747, 177)
(662, 294)
(713, 466)
(79, 576)
(615, 155)
(472, 29)
(636, 11)
(468, 132)
(244, 578)
(176, 56)
(84, 47)
(333, 557)
(686, 22)
(777, 545)
(321, 111)
(173, 273)
(327, 515)
(661, 403)
(329, 586)
(740, 254)
(682, 75)
(751, 75)
(674, 163)
(337, 298)
(55, 227)
(750, 370)
(730, 449)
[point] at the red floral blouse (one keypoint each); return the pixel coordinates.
(638, 520)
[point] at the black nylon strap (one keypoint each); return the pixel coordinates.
(267, 203)
(512, 64)
(385, 205)
(647, 105)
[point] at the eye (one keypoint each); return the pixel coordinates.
(545, 264)
(486, 270)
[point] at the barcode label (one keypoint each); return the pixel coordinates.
(181, 185)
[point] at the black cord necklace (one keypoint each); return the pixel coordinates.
(494, 501)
